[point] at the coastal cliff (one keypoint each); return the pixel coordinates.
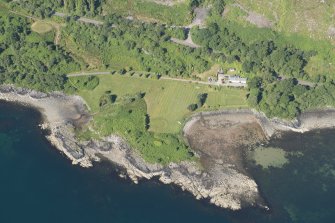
(223, 182)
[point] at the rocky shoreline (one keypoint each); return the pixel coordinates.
(223, 184)
(307, 121)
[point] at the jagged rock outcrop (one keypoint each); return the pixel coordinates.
(222, 184)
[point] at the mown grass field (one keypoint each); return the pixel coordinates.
(166, 100)
(41, 27)
(177, 14)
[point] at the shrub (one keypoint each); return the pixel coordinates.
(106, 99)
(85, 83)
(192, 107)
(202, 99)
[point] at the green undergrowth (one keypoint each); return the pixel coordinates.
(307, 17)
(83, 83)
(321, 64)
(151, 120)
(127, 117)
(167, 100)
(178, 14)
(29, 59)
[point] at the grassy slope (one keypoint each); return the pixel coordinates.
(178, 14)
(127, 119)
(308, 17)
(166, 100)
(321, 64)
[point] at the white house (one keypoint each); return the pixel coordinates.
(237, 80)
(230, 79)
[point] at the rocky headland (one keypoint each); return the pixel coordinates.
(218, 138)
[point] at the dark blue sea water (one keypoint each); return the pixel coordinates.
(38, 184)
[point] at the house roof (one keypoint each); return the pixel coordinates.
(236, 78)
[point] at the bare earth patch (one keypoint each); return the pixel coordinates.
(258, 20)
(168, 2)
(199, 20)
(200, 17)
(331, 31)
(254, 18)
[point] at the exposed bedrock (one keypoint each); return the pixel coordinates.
(218, 138)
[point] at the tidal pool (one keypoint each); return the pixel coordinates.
(269, 157)
(38, 184)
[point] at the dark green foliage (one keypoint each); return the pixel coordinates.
(179, 33)
(128, 118)
(83, 7)
(42, 8)
(85, 83)
(201, 99)
(258, 57)
(255, 82)
(274, 72)
(273, 69)
(142, 46)
(195, 3)
(147, 121)
(38, 8)
(139, 95)
(192, 107)
(106, 99)
(122, 71)
(157, 76)
(35, 64)
(218, 7)
(277, 99)
(254, 97)
(318, 97)
(287, 98)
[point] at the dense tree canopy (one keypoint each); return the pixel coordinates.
(258, 57)
(28, 60)
(273, 72)
(148, 44)
(42, 8)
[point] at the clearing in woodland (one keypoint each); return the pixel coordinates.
(166, 100)
(41, 27)
(177, 13)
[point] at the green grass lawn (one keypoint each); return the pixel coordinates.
(166, 100)
(126, 117)
(41, 27)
